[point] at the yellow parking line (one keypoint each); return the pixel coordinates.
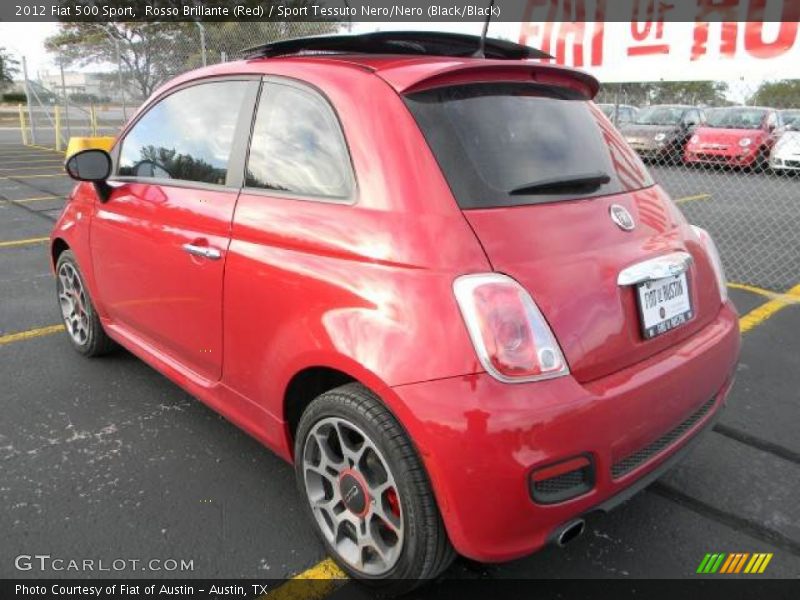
(35, 199)
(34, 168)
(46, 148)
(690, 198)
(761, 313)
(751, 288)
(15, 243)
(312, 584)
(34, 158)
(31, 333)
(35, 176)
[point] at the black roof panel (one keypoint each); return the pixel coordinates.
(397, 42)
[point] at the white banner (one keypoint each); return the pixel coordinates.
(652, 48)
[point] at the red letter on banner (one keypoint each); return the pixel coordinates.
(730, 29)
(754, 30)
(642, 29)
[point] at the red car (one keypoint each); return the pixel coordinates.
(442, 285)
(740, 136)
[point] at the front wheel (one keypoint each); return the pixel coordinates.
(761, 161)
(367, 491)
(77, 311)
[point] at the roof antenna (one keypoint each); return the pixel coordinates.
(482, 44)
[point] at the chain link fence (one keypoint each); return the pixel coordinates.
(727, 152)
(106, 71)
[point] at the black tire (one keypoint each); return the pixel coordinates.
(426, 550)
(95, 342)
(761, 163)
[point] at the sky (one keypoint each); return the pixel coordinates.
(27, 39)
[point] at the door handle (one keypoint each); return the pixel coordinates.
(203, 251)
(660, 267)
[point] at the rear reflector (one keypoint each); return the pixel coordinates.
(562, 481)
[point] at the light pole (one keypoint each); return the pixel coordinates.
(28, 98)
(202, 40)
(119, 80)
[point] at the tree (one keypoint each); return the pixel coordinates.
(777, 94)
(149, 53)
(9, 67)
(709, 93)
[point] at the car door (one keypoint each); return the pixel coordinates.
(291, 229)
(160, 240)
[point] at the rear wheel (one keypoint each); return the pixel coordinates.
(77, 311)
(367, 492)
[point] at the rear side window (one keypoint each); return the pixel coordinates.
(508, 144)
(297, 145)
(187, 136)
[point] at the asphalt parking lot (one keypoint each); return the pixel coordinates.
(106, 458)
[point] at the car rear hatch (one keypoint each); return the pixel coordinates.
(539, 172)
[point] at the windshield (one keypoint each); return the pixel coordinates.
(736, 118)
(506, 144)
(791, 118)
(659, 115)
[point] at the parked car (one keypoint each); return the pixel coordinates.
(619, 114)
(403, 297)
(660, 132)
(785, 154)
(739, 136)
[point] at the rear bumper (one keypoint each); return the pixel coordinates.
(480, 439)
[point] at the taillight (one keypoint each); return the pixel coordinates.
(513, 341)
(713, 254)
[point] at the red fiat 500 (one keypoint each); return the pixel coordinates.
(740, 136)
(442, 285)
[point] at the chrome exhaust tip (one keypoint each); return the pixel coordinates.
(570, 531)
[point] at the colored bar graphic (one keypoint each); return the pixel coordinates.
(727, 564)
(721, 562)
(755, 562)
(718, 563)
(740, 564)
(701, 568)
(764, 564)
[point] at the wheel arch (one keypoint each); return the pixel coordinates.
(301, 390)
(315, 378)
(57, 247)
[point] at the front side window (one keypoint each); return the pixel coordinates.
(297, 145)
(187, 136)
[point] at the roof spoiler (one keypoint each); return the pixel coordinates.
(398, 42)
(406, 81)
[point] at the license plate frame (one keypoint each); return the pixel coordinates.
(664, 304)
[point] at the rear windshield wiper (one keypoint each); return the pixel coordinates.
(543, 186)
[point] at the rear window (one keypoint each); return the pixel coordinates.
(509, 144)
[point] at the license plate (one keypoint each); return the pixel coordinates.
(664, 304)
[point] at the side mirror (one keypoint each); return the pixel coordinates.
(91, 165)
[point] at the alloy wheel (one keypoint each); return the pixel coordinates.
(73, 302)
(353, 496)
